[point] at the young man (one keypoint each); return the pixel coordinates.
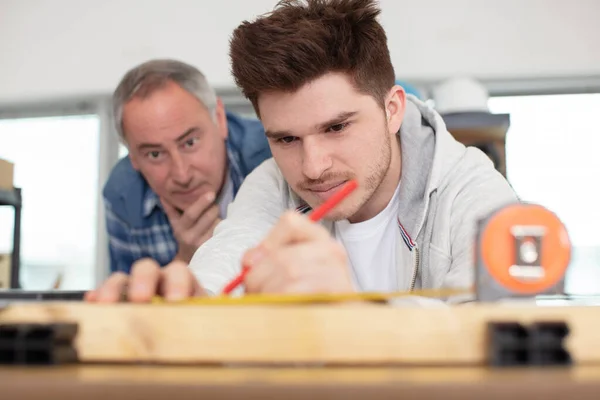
(187, 159)
(321, 80)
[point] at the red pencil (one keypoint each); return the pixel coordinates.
(315, 216)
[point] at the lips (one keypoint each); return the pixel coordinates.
(188, 193)
(185, 193)
(326, 187)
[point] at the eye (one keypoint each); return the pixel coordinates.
(153, 155)
(338, 127)
(190, 142)
(287, 139)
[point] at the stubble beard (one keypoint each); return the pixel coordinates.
(377, 173)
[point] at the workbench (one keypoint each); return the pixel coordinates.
(131, 382)
(157, 351)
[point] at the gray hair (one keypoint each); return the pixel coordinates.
(145, 78)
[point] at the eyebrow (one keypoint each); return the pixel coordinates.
(338, 119)
(179, 139)
(341, 117)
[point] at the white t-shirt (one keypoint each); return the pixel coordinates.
(371, 247)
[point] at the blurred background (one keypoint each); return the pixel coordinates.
(519, 79)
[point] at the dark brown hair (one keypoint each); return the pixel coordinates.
(302, 40)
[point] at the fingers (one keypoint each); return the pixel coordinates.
(91, 296)
(111, 291)
(191, 215)
(179, 283)
(261, 277)
(202, 226)
(315, 267)
(145, 278)
(172, 213)
(291, 228)
(194, 226)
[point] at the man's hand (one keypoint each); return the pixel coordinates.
(174, 282)
(297, 256)
(195, 226)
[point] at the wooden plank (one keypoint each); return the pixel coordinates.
(344, 333)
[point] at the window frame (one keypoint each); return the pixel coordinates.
(107, 156)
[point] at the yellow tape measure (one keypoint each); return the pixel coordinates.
(283, 299)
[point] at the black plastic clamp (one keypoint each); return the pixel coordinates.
(38, 344)
(538, 344)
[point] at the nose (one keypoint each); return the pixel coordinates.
(316, 159)
(180, 170)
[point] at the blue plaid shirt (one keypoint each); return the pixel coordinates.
(135, 221)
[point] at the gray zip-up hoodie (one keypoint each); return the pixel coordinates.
(445, 189)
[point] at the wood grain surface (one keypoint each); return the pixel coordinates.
(349, 334)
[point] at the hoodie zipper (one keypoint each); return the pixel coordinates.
(415, 269)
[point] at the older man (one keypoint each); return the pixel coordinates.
(187, 159)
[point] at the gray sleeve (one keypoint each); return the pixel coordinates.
(256, 208)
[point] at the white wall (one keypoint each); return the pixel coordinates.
(62, 48)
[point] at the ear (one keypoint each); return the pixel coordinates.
(221, 119)
(395, 104)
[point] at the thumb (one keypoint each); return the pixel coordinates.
(90, 296)
(171, 211)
